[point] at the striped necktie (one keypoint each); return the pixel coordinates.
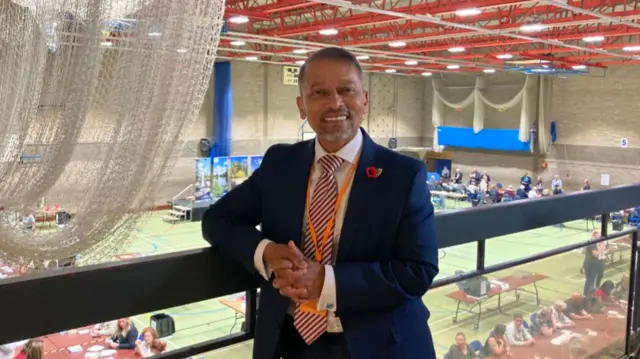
(311, 326)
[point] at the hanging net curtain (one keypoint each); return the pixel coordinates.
(479, 98)
(100, 92)
(544, 113)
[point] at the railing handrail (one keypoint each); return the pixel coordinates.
(94, 293)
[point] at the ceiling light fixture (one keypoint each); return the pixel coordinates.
(390, 71)
(427, 74)
(251, 58)
(328, 32)
(398, 44)
(489, 71)
(300, 62)
(456, 49)
(362, 57)
(596, 38)
(238, 43)
(631, 48)
(411, 62)
(106, 44)
(453, 67)
(154, 34)
(504, 56)
(181, 51)
(468, 12)
(579, 67)
(532, 27)
(239, 19)
(300, 51)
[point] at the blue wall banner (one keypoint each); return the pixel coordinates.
(254, 163)
(222, 110)
(495, 139)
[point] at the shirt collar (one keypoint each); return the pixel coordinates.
(348, 153)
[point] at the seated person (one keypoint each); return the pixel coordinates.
(605, 293)
(432, 181)
(150, 343)
(510, 191)
(107, 329)
(621, 291)
(33, 349)
(560, 320)
(496, 345)
(575, 308)
(472, 187)
(533, 194)
(521, 192)
(545, 192)
(29, 222)
(543, 323)
(484, 185)
(557, 190)
(461, 349)
(126, 335)
(517, 335)
(585, 185)
(593, 303)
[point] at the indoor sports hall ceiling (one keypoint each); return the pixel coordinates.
(426, 37)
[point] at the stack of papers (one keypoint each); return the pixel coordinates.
(75, 349)
(95, 348)
(83, 331)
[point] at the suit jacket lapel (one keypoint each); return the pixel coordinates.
(295, 198)
(362, 191)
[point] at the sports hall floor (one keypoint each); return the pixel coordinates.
(209, 319)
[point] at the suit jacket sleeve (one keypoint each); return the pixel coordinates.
(230, 223)
(411, 270)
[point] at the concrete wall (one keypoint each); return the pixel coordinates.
(505, 167)
(592, 115)
(265, 110)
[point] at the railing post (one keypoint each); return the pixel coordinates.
(634, 291)
(251, 311)
(480, 255)
(604, 224)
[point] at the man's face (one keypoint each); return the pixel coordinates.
(518, 322)
(333, 100)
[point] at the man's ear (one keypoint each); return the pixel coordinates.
(366, 101)
(303, 112)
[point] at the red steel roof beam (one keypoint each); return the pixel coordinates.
(368, 19)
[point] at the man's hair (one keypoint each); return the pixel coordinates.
(517, 316)
(330, 53)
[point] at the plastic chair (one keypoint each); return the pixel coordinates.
(525, 325)
(475, 345)
(533, 317)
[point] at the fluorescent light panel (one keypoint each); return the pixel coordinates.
(239, 19)
(453, 67)
(390, 71)
(398, 44)
(456, 49)
(532, 27)
(411, 62)
(596, 38)
(328, 32)
(468, 12)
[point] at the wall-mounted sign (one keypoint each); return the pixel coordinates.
(290, 75)
(624, 143)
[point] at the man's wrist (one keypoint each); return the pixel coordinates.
(318, 283)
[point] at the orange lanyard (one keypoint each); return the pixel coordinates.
(332, 220)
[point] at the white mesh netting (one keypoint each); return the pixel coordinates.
(95, 96)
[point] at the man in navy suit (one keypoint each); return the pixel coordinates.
(347, 246)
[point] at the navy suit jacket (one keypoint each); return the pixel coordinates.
(387, 255)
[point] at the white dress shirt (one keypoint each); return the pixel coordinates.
(327, 301)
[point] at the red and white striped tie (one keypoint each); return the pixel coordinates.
(312, 326)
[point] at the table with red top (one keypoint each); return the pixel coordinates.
(516, 284)
(55, 345)
(608, 331)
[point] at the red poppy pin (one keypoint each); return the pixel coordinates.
(373, 172)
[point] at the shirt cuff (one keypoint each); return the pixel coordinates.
(258, 260)
(327, 300)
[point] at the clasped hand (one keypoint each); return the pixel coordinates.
(296, 276)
